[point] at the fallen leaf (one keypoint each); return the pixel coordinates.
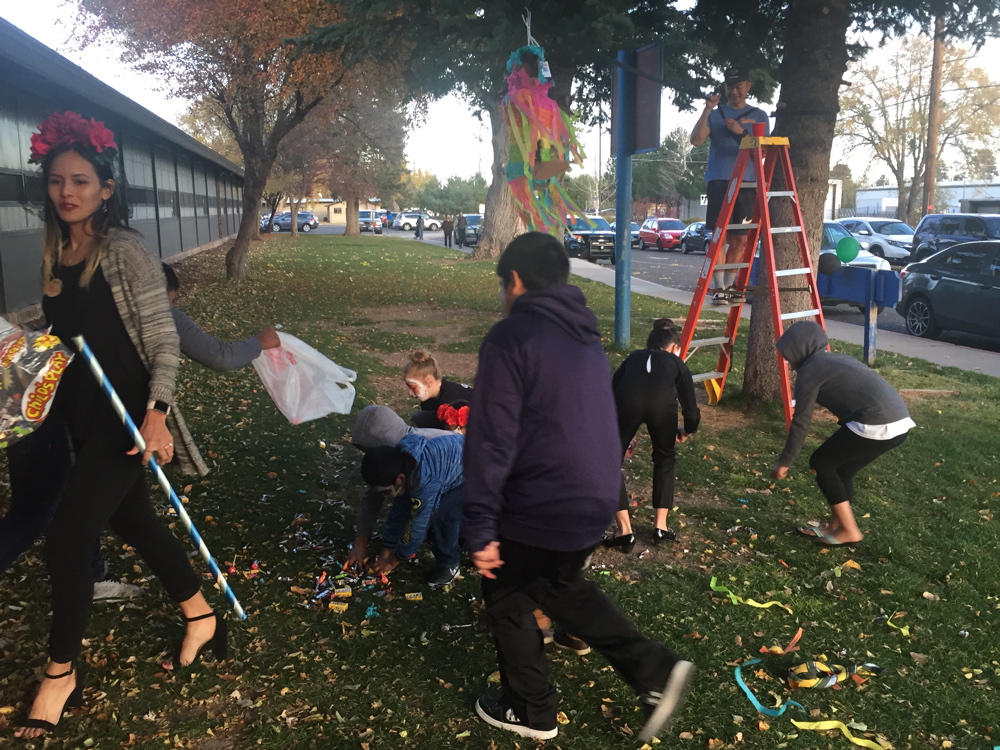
(850, 564)
(562, 718)
(931, 597)
(714, 744)
(919, 659)
(686, 736)
(763, 726)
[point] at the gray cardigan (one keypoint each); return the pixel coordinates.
(209, 351)
(140, 293)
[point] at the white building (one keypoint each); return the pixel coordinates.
(950, 197)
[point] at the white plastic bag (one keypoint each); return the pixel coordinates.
(303, 383)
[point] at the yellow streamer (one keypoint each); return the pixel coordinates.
(905, 629)
(823, 726)
(750, 602)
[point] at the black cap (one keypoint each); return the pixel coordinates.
(735, 75)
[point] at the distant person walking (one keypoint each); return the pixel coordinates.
(448, 226)
(418, 232)
(460, 226)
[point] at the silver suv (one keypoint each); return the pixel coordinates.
(370, 221)
(887, 238)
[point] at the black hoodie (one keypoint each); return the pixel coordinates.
(541, 452)
(842, 384)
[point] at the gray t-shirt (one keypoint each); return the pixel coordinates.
(724, 144)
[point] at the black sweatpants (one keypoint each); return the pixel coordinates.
(843, 455)
(660, 418)
(533, 578)
(105, 486)
(447, 237)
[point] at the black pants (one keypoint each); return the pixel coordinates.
(532, 578)
(660, 418)
(447, 237)
(843, 455)
(105, 486)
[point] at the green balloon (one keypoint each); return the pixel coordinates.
(848, 249)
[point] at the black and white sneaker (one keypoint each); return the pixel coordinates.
(496, 713)
(442, 577)
(662, 706)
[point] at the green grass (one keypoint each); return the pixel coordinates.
(305, 677)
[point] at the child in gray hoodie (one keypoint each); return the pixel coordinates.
(872, 416)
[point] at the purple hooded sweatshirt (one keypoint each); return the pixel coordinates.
(542, 453)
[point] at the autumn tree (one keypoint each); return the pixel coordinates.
(884, 113)
(673, 173)
(803, 44)
(463, 46)
(234, 54)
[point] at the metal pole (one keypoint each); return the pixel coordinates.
(624, 146)
(930, 175)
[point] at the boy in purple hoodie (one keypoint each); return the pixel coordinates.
(541, 485)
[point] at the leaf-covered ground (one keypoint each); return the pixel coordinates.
(388, 673)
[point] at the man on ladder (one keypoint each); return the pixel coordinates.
(725, 125)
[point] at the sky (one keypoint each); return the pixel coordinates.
(450, 140)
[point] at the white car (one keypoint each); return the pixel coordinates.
(887, 238)
(833, 233)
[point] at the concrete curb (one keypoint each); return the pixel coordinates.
(938, 352)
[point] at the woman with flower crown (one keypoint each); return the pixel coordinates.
(99, 281)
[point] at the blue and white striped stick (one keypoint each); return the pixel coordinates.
(119, 407)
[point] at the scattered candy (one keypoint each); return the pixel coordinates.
(338, 606)
(414, 597)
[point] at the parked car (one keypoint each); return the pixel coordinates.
(956, 289)
(887, 238)
(305, 221)
(695, 238)
(370, 221)
(590, 238)
(663, 234)
(383, 217)
(407, 220)
(473, 230)
(275, 220)
(937, 232)
(834, 232)
(634, 231)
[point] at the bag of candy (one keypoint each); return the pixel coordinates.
(31, 365)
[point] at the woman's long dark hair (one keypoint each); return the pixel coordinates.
(109, 216)
(664, 334)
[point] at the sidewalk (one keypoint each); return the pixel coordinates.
(938, 352)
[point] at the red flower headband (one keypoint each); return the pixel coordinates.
(69, 129)
(453, 417)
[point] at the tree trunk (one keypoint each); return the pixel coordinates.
(255, 179)
(812, 69)
(501, 222)
(353, 217)
(293, 206)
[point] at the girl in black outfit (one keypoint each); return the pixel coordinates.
(647, 387)
(422, 376)
(100, 282)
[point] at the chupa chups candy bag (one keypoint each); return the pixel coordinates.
(31, 364)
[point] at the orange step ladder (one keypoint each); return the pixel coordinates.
(765, 154)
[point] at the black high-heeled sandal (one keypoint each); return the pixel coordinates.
(664, 535)
(624, 543)
(219, 642)
(75, 700)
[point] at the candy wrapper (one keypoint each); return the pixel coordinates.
(31, 364)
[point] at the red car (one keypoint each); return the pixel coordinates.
(664, 234)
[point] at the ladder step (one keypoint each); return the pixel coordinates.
(717, 341)
(702, 377)
(731, 266)
(802, 314)
(780, 193)
(785, 230)
(739, 227)
(793, 272)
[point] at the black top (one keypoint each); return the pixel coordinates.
(450, 393)
(92, 313)
(654, 376)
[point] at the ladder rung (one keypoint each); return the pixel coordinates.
(793, 272)
(738, 227)
(718, 340)
(803, 314)
(702, 377)
(780, 193)
(748, 185)
(785, 230)
(731, 266)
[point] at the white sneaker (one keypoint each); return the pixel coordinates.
(662, 705)
(720, 299)
(111, 591)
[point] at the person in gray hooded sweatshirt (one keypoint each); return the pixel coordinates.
(872, 416)
(377, 426)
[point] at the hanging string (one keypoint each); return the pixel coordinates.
(527, 23)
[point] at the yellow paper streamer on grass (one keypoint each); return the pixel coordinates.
(740, 600)
(905, 629)
(824, 726)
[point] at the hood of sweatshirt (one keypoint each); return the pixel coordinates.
(801, 341)
(565, 306)
(379, 425)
